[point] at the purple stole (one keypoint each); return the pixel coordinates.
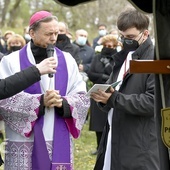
(61, 140)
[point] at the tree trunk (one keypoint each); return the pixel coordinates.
(13, 14)
(4, 12)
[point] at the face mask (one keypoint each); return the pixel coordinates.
(81, 40)
(27, 37)
(15, 48)
(108, 51)
(62, 37)
(102, 33)
(62, 41)
(129, 44)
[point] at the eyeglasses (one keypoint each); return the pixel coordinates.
(130, 39)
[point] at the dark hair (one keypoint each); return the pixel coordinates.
(36, 25)
(132, 18)
(104, 25)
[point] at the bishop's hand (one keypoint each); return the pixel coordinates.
(52, 98)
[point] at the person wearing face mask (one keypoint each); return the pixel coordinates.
(99, 73)
(14, 43)
(129, 140)
(6, 36)
(102, 31)
(64, 44)
(26, 34)
(86, 52)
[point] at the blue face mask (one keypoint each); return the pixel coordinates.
(81, 40)
(102, 32)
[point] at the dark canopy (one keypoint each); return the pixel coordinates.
(145, 5)
(71, 2)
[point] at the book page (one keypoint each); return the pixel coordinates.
(104, 87)
(96, 87)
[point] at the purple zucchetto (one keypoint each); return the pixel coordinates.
(39, 16)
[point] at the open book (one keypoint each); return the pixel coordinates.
(104, 87)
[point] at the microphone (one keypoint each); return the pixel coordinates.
(50, 53)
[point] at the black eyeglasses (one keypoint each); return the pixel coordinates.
(129, 41)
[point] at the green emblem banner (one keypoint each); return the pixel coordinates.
(165, 131)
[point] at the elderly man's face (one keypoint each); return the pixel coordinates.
(62, 28)
(46, 34)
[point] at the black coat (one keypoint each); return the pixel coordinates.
(18, 82)
(95, 40)
(86, 55)
(134, 143)
(1, 55)
(99, 73)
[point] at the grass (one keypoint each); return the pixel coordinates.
(85, 144)
(82, 148)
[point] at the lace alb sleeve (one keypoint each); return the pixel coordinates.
(79, 105)
(20, 112)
